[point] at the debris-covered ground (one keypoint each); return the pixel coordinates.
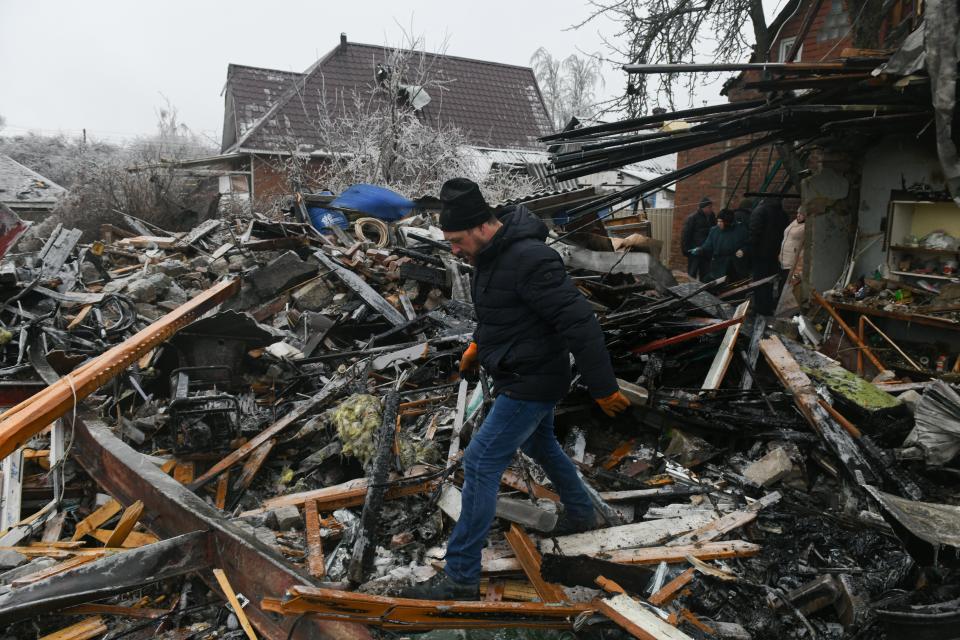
(297, 446)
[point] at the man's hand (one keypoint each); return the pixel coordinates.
(468, 362)
(694, 251)
(614, 403)
(739, 253)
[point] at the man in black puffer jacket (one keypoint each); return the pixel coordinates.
(530, 317)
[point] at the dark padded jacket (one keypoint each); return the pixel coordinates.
(722, 246)
(696, 228)
(530, 317)
(767, 223)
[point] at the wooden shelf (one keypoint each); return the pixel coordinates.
(939, 252)
(930, 321)
(935, 276)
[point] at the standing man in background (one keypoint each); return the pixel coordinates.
(767, 224)
(695, 230)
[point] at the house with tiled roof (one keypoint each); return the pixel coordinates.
(30, 195)
(270, 114)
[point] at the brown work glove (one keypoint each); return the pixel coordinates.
(468, 362)
(613, 403)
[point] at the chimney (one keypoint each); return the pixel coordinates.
(343, 39)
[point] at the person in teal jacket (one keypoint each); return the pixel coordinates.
(726, 244)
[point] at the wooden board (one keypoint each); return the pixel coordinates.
(96, 519)
(649, 555)
(530, 560)
(628, 536)
(347, 494)
(637, 620)
(670, 590)
(315, 560)
(805, 396)
(232, 599)
(721, 362)
(184, 472)
(422, 615)
(83, 630)
(126, 524)
(133, 540)
(223, 484)
(726, 524)
(61, 567)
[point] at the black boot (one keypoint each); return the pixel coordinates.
(567, 526)
(442, 587)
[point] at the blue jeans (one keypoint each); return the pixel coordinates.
(511, 425)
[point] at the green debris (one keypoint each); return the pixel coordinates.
(356, 420)
(861, 392)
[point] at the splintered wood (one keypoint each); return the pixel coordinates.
(423, 615)
(83, 630)
(96, 519)
(638, 621)
(530, 560)
(234, 603)
(126, 524)
(672, 589)
(315, 560)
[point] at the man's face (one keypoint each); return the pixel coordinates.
(708, 209)
(469, 243)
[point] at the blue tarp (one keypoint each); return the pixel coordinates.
(378, 202)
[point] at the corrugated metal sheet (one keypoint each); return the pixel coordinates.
(661, 228)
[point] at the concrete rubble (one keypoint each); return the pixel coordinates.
(760, 507)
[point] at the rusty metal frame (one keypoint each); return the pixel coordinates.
(21, 422)
(172, 510)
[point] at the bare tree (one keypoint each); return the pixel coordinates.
(382, 134)
(568, 86)
(676, 31)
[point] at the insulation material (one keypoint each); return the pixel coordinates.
(937, 430)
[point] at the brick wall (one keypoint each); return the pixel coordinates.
(271, 184)
(823, 42)
(725, 183)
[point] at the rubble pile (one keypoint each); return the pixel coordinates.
(293, 453)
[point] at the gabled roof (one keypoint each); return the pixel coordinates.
(495, 105)
(23, 188)
(250, 93)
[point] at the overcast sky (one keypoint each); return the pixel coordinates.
(109, 65)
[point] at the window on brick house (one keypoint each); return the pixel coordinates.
(785, 45)
(836, 24)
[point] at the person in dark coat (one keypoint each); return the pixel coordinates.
(695, 230)
(767, 223)
(530, 317)
(725, 245)
(742, 213)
